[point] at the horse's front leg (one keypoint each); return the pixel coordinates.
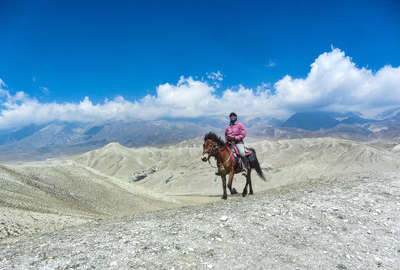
(224, 196)
(232, 190)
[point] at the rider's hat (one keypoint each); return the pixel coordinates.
(232, 113)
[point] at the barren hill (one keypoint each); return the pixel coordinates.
(177, 169)
(53, 194)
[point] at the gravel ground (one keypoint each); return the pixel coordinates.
(347, 223)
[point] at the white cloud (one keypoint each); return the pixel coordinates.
(270, 64)
(333, 83)
(215, 76)
(2, 84)
(44, 90)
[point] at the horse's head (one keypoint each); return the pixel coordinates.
(209, 150)
(210, 146)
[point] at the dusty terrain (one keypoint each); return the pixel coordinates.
(340, 224)
(328, 204)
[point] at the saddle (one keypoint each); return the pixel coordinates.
(236, 155)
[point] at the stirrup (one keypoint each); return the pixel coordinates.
(218, 173)
(244, 172)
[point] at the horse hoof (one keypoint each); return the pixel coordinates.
(251, 193)
(244, 194)
(234, 191)
(224, 197)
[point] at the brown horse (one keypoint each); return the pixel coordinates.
(214, 147)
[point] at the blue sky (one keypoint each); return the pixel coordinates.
(62, 51)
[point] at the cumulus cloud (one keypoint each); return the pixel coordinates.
(192, 98)
(334, 83)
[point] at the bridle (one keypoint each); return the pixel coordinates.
(214, 152)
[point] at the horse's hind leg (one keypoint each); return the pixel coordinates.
(244, 193)
(249, 181)
(232, 190)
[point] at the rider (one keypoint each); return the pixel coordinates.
(235, 133)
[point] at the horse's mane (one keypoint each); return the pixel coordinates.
(214, 137)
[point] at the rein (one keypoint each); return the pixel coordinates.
(225, 162)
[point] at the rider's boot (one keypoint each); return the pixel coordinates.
(245, 165)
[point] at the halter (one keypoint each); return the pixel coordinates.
(215, 148)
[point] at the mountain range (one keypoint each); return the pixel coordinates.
(36, 142)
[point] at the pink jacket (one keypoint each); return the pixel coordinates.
(236, 133)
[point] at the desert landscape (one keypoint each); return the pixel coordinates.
(327, 203)
(104, 111)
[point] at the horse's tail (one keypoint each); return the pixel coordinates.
(256, 165)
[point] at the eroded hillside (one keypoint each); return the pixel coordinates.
(116, 181)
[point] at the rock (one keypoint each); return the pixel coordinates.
(223, 218)
(138, 176)
(378, 261)
(169, 179)
(396, 149)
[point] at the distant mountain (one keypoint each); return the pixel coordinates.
(19, 134)
(348, 125)
(58, 138)
(270, 121)
(323, 120)
(311, 121)
(356, 120)
(392, 113)
(62, 138)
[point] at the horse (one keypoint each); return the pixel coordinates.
(215, 147)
